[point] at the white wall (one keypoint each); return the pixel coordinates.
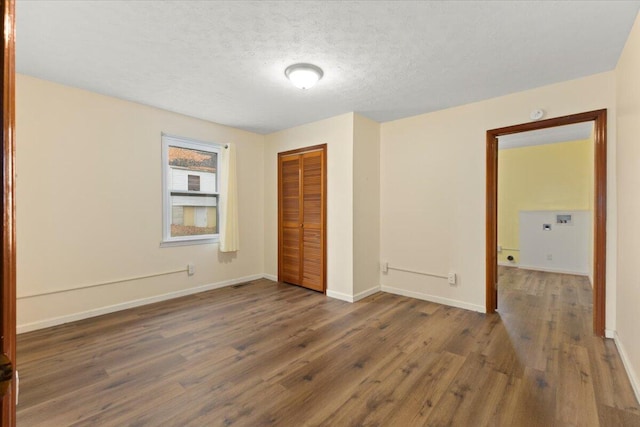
(628, 123)
(563, 248)
(89, 204)
(366, 206)
(432, 182)
(337, 133)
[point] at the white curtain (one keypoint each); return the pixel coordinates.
(229, 235)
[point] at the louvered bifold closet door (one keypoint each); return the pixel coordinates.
(312, 220)
(290, 219)
(302, 217)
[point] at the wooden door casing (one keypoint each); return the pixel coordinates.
(8, 292)
(599, 119)
(302, 217)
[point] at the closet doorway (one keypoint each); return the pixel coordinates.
(302, 217)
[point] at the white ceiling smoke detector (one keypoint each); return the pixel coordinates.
(537, 114)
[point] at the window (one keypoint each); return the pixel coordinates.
(190, 191)
(194, 182)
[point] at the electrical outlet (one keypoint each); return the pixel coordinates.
(384, 266)
(452, 279)
(191, 269)
(499, 248)
(549, 257)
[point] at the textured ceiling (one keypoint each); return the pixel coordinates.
(224, 61)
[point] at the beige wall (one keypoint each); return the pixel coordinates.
(337, 133)
(628, 123)
(366, 206)
(432, 182)
(89, 203)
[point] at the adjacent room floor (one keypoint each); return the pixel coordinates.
(272, 354)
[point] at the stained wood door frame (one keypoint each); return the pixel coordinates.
(599, 117)
(323, 148)
(8, 292)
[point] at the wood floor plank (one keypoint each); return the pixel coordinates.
(416, 401)
(617, 417)
(472, 397)
(266, 353)
(104, 396)
(576, 403)
(609, 377)
(529, 401)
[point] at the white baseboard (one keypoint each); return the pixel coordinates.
(631, 373)
(364, 294)
(339, 295)
(508, 264)
(54, 321)
(352, 298)
(433, 298)
(608, 333)
(553, 270)
(270, 277)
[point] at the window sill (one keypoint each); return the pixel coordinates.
(190, 242)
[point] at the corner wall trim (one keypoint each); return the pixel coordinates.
(352, 298)
(339, 295)
(270, 277)
(633, 377)
(364, 294)
(433, 298)
(54, 321)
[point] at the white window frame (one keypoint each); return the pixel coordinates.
(178, 141)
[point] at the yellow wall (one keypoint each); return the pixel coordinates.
(628, 170)
(544, 177)
(89, 204)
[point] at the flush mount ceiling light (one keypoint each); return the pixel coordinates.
(303, 76)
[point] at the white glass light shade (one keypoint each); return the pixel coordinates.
(303, 76)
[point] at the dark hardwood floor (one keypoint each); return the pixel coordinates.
(273, 354)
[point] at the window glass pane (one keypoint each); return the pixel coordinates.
(193, 182)
(188, 166)
(193, 215)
